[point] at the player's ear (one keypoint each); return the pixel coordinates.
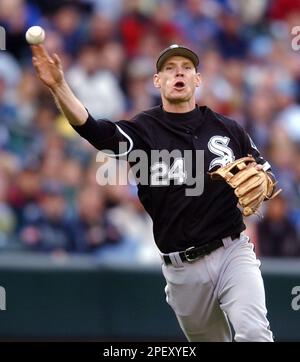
(198, 79)
(156, 81)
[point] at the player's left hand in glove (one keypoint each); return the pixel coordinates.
(251, 184)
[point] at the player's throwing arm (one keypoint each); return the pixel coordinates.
(49, 70)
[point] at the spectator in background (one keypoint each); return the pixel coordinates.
(68, 22)
(52, 162)
(112, 9)
(10, 72)
(139, 80)
(134, 25)
(259, 117)
(24, 193)
(92, 229)
(230, 38)
(101, 30)
(96, 86)
(8, 115)
(196, 20)
(72, 177)
(16, 16)
(26, 100)
(281, 9)
(293, 191)
(134, 223)
(114, 59)
(47, 230)
(277, 236)
(7, 215)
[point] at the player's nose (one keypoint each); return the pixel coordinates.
(179, 72)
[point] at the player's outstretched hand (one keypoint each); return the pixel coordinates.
(49, 69)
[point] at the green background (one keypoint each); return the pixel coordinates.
(75, 298)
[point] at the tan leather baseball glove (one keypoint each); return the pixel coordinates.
(251, 185)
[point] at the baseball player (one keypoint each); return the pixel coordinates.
(210, 268)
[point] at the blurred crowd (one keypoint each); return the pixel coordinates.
(49, 198)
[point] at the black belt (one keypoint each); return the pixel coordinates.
(194, 253)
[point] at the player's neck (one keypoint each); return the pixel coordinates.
(182, 107)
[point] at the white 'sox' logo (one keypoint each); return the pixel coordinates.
(218, 145)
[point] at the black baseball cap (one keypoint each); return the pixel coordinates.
(173, 50)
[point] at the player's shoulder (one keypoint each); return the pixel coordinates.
(226, 122)
(143, 123)
(148, 114)
(142, 119)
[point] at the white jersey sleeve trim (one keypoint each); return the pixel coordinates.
(266, 166)
(130, 145)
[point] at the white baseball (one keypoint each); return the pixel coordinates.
(35, 35)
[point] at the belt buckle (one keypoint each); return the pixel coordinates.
(190, 260)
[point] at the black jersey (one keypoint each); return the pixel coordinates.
(181, 220)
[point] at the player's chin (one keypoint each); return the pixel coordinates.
(180, 96)
(178, 99)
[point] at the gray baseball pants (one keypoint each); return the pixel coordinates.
(226, 284)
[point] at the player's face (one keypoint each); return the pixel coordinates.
(177, 80)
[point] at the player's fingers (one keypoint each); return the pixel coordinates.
(252, 183)
(41, 54)
(36, 63)
(254, 194)
(57, 60)
(242, 176)
(37, 69)
(39, 51)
